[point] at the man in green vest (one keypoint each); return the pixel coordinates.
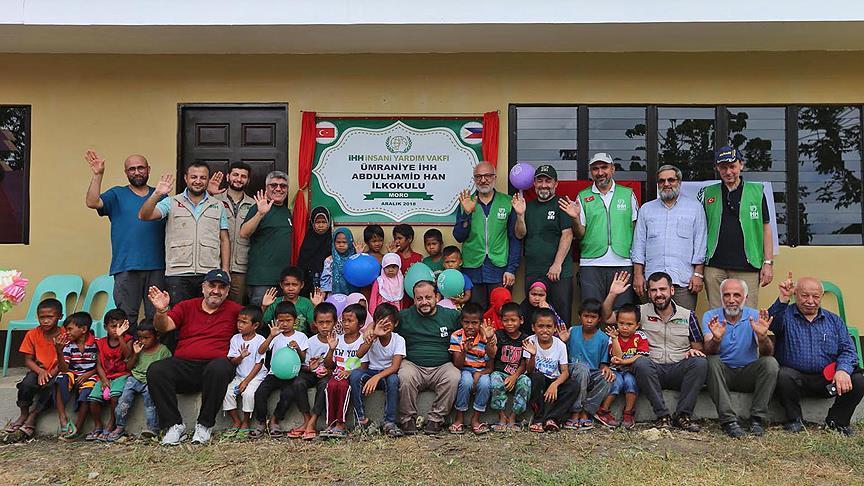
(740, 245)
(486, 227)
(603, 217)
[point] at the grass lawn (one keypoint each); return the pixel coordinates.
(595, 458)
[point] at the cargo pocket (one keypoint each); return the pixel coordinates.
(208, 254)
(179, 254)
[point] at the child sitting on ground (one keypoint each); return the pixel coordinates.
(373, 236)
(552, 392)
(388, 287)
(282, 335)
(291, 283)
(508, 375)
(341, 360)
(114, 350)
(380, 355)
(333, 275)
(468, 347)
(314, 373)
(250, 372)
(588, 349)
(41, 361)
(452, 256)
(77, 355)
(626, 343)
(146, 350)
(433, 241)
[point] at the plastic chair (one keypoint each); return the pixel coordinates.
(832, 288)
(856, 339)
(100, 284)
(62, 286)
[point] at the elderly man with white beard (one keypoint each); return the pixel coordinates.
(740, 357)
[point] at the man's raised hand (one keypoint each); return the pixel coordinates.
(97, 163)
(467, 202)
(570, 207)
(159, 298)
(165, 184)
(717, 328)
(620, 283)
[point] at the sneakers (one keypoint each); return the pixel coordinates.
(148, 434)
(683, 422)
(733, 429)
(794, 426)
(756, 428)
(392, 430)
(664, 422)
(606, 418)
(175, 435)
(409, 427)
(201, 435)
(846, 430)
(433, 428)
(628, 421)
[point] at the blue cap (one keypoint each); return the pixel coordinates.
(726, 154)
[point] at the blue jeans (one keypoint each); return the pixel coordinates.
(390, 385)
(625, 382)
(124, 404)
(466, 386)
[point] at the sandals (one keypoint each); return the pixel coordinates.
(309, 435)
(149, 434)
(500, 427)
(536, 427)
(296, 433)
(69, 432)
(276, 432)
(95, 434)
(480, 429)
(337, 433)
(257, 432)
(12, 427)
(456, 429)
(551, 426)
(571, 424)
(242, 434)
(230, 433)
(115, 435)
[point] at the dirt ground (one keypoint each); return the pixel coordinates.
(594, 458)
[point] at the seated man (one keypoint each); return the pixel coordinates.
(675, 359)
(426, 328)
(204, 327)
(816, 356)
(736, 338)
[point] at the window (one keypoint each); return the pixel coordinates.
(811, 155)
(14, 173)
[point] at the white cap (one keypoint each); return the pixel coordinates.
(601, 157)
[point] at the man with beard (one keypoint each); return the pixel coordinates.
(204, 327)
(490, 248)
(270, 230)
(196, 231)
(137, 247)
(670, 237)
(237, 202)
(739, 230)
(816, 356)
(540, 222)
(736, 338)
(426, 328)
(675, 359)
(603, 217)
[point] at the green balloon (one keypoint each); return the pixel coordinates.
(352, 363)
(285, 364)
(451, 283)
(416, 273)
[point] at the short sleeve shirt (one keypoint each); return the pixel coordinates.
(145, 359)
(637, 344)
(475, 358)
(135, 244)
(592, 352)
(203, 336)
(509, 353)
(269, 245)
(345, 354)
(381, 357)
(248, 363)
(305, 314)
(112, 359)
(164, 208)
(548, 361)
(427, 338)
(40, 347)
(544, 222)
(282, 341)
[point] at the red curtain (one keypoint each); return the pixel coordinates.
(490, 137)
(304, 176)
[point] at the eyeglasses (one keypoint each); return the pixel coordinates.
(275, 185)
(668, 180)
(480, 177)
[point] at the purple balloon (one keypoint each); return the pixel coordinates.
(340, 301)
(522, 176)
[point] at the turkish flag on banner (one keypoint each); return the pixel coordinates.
(327, 132)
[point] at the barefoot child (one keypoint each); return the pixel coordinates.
(388, 287)
(41, 361)
(380, 355)
(342, 359)
(313, 373)
(626, 344)
(433, 241)
(146, 350)
(77, 355)
(114, 350)
(468, 347)
(552, 393)
(509, 369)
(291, 283)
(250, 372)
(282, 335)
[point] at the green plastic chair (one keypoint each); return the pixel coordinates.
(100, 284)
(62, 286)
(831, 288)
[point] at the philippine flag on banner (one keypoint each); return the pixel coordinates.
(472, 133)
(325, 132)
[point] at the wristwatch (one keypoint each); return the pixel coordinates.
(768, 262)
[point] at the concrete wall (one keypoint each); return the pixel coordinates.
(126, 104)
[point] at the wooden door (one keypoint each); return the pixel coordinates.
(221, 134)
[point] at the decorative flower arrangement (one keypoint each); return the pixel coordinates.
(11, 289)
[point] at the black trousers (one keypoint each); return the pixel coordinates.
(287, 395)
(29, 390)
(185, 287)
(792, 384)
(168, 377)
(304, 381)
(557, 410)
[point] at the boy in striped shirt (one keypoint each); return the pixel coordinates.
(468, 347)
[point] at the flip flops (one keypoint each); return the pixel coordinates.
(296, 433)
(536, 427)
(500, 427)
(276, 432)
(12, 427)
(115, 435)
(95, 434)
(480, 429)
(309, 435)
(257, 432)
(456, 429)
(551, 426)
(230, 433)
(68, 432)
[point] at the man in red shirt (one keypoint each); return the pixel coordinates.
(204, 328)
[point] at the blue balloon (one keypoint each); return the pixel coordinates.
(362, 269)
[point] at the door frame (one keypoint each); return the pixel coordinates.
(183, 106)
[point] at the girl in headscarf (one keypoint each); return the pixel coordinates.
(315, 249)
(388, 287)
(333, 274)
(358, 298)
(535, 300)
(497, 298)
